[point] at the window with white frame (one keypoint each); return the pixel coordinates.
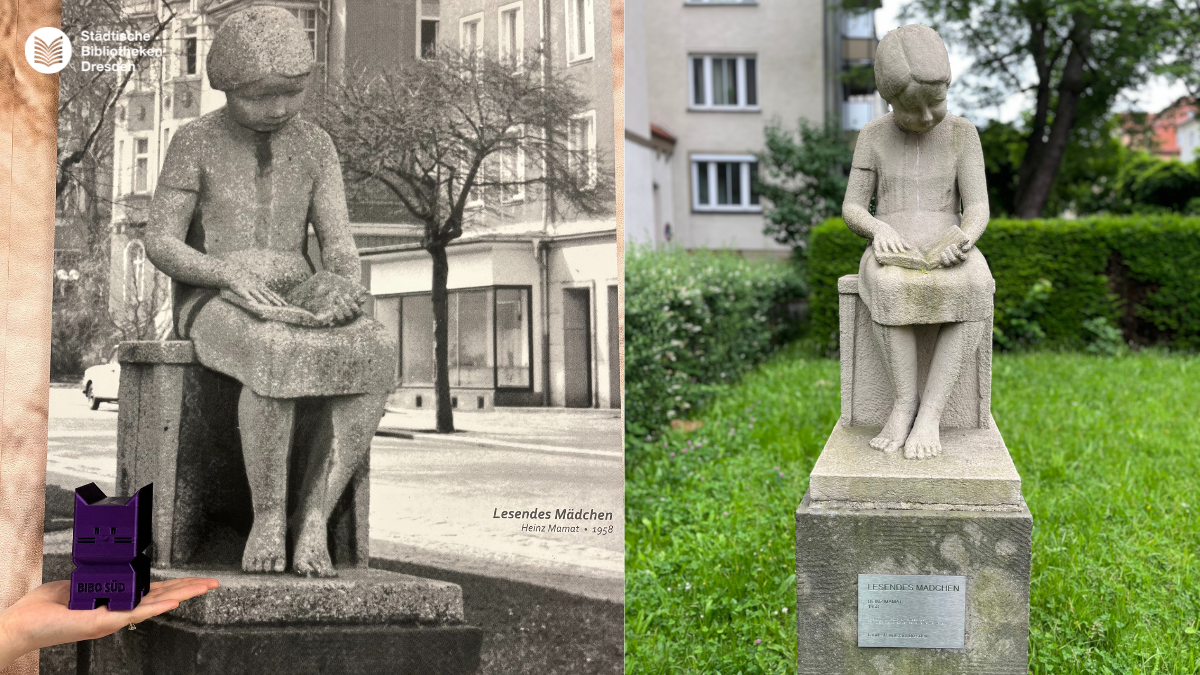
(512, 171)
(135, 271)
(141, 165)
(470, 33)
(189, 53)
(308, 20)
(725, 183)
(581, 38)
(512, 33)
(722, 82)
(475, 194)
(581, 144)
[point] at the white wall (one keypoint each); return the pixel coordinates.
(787, 39)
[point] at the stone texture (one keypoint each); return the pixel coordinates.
(162, 645)
(836, 543)
(177, 427)
(356, 596)
(255, 43)
(867, 394)
(973, 469)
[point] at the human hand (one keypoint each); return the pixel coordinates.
(342, 307)
(251, 287)
(888, 241)
(955, 254)
(41, 618)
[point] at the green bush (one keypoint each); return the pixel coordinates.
(1138, 274)
(694, 321)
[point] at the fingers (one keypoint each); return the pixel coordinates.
(275, 298)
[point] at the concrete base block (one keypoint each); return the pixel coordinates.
(989, 545)
(163, 645)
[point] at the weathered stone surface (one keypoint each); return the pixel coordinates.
(170, 352)
(918, 192)
(834, 544)
(356, 596)
(973, 469)
(171, 646)
(178, 428)
(867, 394)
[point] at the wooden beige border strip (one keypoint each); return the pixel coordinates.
(30, 138)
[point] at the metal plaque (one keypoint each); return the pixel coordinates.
(912, 610)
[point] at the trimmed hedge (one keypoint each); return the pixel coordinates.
(694, 321)
(1138, 273)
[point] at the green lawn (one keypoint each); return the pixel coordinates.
(1109, 455)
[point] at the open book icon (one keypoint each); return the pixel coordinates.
(927, 259)
(48, 55)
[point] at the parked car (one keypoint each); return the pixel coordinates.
(101, 383)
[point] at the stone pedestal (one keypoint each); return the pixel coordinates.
(960, 514)
(871, 513)
(178, 428)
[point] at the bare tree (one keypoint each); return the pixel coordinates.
(439, 132)
(87, 99)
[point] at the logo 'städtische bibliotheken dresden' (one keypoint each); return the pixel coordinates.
(48, 50)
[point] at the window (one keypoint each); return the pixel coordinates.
(119, 169)
(514, 352)
(429, 31)
(189, 51)
(858, 24)
(725, 183)
(723, 83)
(470, 37)
(512, 33)
(308, 21)
(489, 334)
(581, 40)
(512, 171)
(141, 165)
(135, 269)
(581, 143)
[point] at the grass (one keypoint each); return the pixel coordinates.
(1109, 454)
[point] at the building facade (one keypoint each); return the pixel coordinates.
(534, 315)
(718, 72)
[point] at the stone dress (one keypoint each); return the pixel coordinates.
(917, 184)
(256, 193)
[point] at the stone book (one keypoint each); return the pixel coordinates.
(309, 302)
(927, 259)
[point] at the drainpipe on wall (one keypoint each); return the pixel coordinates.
(541, 251)
(336, 49)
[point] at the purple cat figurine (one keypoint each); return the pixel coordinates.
(110, 535)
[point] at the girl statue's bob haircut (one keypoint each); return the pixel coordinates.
(255, 43)
(912, 53)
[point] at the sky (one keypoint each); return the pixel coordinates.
(1153, 97)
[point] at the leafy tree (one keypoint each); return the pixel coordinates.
(803, 178)
(439, 133)
(1075, 57)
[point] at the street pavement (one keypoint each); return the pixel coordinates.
(434, 496)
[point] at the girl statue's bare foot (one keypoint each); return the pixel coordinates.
(311, 555)
(925, 440)
(896, 430)
(266, 547)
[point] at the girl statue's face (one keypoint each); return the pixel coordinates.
(267, 104)
(920, 107)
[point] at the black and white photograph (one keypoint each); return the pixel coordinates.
(340, 279)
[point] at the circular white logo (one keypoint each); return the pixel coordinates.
(48, 50)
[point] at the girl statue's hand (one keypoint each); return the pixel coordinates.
(251, 287)
(954, 255)
(887, 241)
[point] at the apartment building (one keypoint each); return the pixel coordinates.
(717, 73)
(533, 286)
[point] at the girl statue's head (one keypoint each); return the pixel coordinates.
(912, 72)
(261, 59)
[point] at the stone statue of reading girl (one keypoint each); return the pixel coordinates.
(925, 170)
(229, 223)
